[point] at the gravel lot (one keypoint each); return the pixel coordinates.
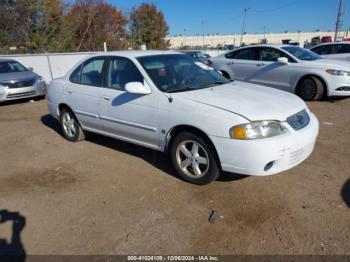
(104, 196)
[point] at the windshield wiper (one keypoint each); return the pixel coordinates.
(180, 89)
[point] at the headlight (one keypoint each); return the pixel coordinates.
(256, 130)
(338, 72)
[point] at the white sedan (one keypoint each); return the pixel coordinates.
(289, 68)
(170, 102)
(338, 50)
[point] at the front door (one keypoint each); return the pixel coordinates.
(272, 73)
(131, 117)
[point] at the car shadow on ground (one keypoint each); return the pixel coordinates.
(21, 101)
(12, 250)
(345, 193)
(158, 159)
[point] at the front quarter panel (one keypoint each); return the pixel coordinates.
(210, 120)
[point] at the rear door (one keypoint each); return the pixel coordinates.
(132, 117)
(83, 91)
(244, 63)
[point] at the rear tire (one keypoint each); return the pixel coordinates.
(311, 89)
(194, 159)
(70, 126)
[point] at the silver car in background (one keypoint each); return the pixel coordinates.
(17, 81)
(286, 67)
(339, 50)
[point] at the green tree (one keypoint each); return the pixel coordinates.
(31, 25)
(148, 27)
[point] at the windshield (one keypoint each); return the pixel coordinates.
(177, 73)
(301, 53)
(11, 67)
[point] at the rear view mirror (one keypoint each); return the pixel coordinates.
(282, 60)
(30, 69)
(138, 88)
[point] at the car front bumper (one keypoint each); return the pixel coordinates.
(7, 94)
(336, 84)
(253, 157)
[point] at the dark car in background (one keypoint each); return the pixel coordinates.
(17, 81)
(197, 54)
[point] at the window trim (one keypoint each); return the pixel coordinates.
(107, 65)
(81, 69)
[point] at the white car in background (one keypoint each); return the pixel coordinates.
(338, 50)
(171, 102)
(289, 68)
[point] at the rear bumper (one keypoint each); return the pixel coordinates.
(7, 94)
(251, 157)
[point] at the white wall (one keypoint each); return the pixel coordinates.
(49, 66)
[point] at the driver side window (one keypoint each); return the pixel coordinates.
(122, 71)
(272, 55)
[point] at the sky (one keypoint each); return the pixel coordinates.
(226, 16)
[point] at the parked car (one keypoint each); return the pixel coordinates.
(16, 81)
(339, 51)
(199, 55)
(170, 102)
(289, 68)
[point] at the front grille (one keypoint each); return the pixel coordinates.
(299, 120)
(21, 84)
(26, 94)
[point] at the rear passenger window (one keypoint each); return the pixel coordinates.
(245, 54)
(341, 49)
(91, 73)
(75, 76)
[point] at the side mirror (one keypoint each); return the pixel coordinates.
(138, 88)
(283, 60)
(30, 68)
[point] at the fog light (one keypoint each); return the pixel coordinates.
(343, 88)
(269, 166)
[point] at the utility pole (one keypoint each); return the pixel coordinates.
(243, 25)
(203, 33)
(185, 36)
(339, 22)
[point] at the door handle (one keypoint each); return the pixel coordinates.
(106, 98)
(69, 91)
(262, 64)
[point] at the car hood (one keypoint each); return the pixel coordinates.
(329, 64)
(254, 102)
(6, 77)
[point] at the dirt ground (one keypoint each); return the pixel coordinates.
(103, 196)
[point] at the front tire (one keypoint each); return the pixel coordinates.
(194, 159)
(70, 126)
(311, 89)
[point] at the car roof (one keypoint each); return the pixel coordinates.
(332, 43)
(260, 45)
(7, 60)
(136, 53)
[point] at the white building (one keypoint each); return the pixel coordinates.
(215, 40)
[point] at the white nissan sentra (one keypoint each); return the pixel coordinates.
(170, 102)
